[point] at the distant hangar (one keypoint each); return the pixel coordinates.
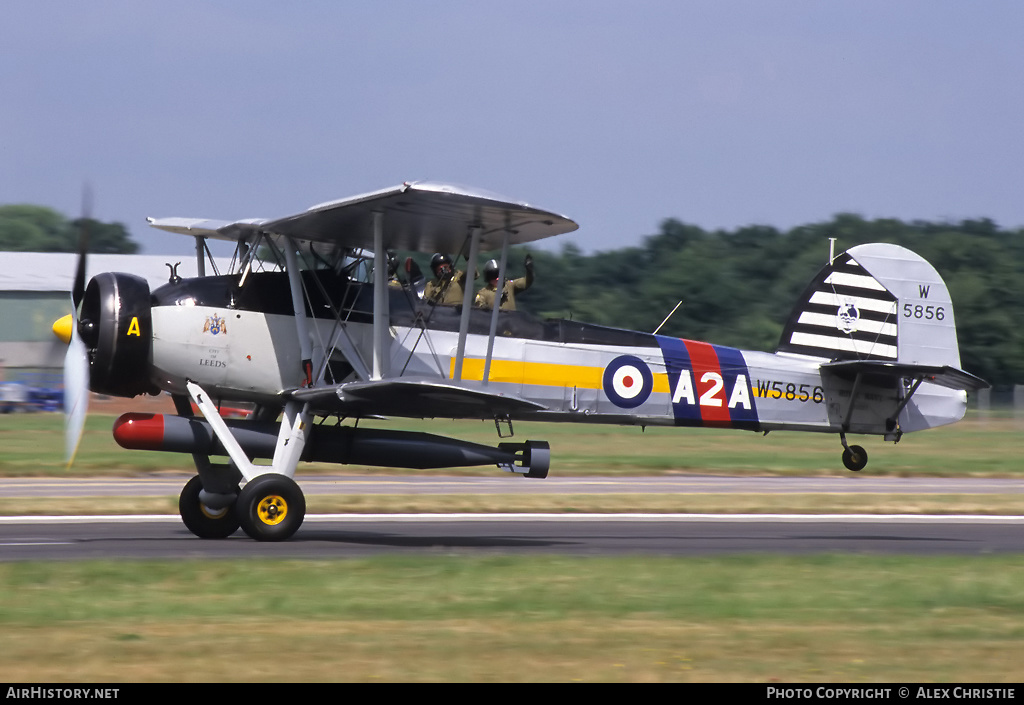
(35, 291)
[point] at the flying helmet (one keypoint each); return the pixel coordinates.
(437, 260)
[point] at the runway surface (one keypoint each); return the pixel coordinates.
(349, 536)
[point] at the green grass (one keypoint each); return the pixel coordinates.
(32, 445)
(451, 616)
(466, 618)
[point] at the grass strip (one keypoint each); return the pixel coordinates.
(451, 617)
(699, 503)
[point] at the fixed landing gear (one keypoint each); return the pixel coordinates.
(202, 520)
(271, 507)
(854, 457)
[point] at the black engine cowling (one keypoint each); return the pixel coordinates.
(116, 326)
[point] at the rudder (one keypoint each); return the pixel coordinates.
(875, 302)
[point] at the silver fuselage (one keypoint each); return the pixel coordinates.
(252, 355)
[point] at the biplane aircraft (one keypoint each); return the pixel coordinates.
(307, 329)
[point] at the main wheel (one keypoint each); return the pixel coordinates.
(271, 508)
(855, 458)
(201, 520)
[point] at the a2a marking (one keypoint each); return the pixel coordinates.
(790, 391)
(712, 391)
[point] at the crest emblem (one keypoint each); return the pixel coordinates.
(847, 317)
(216, 325)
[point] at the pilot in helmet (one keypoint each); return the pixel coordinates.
(485, 297)
(447, 285)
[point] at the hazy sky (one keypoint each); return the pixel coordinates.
(617, 114)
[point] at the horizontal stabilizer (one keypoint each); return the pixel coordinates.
(942, 375)
(416, 398)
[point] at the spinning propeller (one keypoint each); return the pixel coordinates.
(109, 338)
(76, 361)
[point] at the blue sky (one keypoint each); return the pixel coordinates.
(719, 113)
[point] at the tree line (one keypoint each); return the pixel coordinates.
(737, 287)
(29, 228)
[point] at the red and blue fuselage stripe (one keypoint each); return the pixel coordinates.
(710, 384)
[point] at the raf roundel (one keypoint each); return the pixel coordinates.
(628, 381)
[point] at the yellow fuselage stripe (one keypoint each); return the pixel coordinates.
(542, 374)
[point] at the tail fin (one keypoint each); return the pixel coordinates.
(875, 302)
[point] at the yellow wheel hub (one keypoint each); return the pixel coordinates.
(211, 514)
(272, 509)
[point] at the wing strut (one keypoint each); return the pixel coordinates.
(200, 255)
(497, 305)
(381, 313)
(467, 299)
(295, 285)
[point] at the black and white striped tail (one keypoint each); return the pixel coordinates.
(845, 314)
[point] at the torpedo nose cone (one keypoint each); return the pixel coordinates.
(62, 328)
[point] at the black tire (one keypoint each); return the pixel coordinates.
(271, 508)
(200, 519)
(855, 458)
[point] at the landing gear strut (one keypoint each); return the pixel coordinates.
(854, 457)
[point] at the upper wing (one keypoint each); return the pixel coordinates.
(220, 229)
(416, 398)
(417, 216)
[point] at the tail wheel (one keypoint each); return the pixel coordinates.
(271, 508)
(203, 521)
(855, 458)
